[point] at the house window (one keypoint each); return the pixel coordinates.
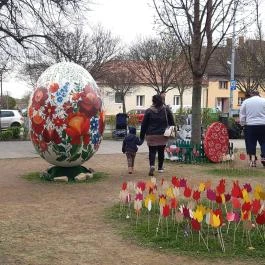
(118, 97)
(140, 101)
(223, 84)
(240, 101)
(176, 100)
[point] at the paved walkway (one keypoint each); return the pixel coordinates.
(20, 149)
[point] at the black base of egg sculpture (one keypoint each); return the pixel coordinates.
(66, 115)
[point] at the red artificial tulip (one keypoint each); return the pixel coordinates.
(260, 219)
(124, 186)
(195, 225)
(175, 182)
(166, 210)
(256, 206)
(218, 199)
(139, 196)
(245, 215)
(196, 195)
(236, 203)
(186, 212)
(236, 190)
(227, 197)
(187, 192)
(141, 185)
(221, 187)
(246, 206)
(247, 187)
(173, 203)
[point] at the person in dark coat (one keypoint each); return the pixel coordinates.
(129, 147)
(156, 119)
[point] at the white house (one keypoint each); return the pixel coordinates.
(141, 97)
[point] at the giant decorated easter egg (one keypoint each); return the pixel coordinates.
(216, 142)
(66, 115)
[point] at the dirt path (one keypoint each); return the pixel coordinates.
(60, 224)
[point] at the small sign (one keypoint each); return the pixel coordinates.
(233, 85)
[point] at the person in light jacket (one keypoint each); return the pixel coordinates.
(155, 121)
(252, 117)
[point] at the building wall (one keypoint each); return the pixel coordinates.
(216, 93)
(113, 108)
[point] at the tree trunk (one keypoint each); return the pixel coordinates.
(123, 104)
(181, 100)
(196, 110)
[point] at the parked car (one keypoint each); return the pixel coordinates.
(139, 113)
(10, 118)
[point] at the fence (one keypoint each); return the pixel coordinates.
(186, 152)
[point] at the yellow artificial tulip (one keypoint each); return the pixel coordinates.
(146, 201)
(258, 191)
(201, 208)
(262, 195)
(245, 195)
(223, 198)
(198, 215)
(162, 201)
(201, 187)
(216, 221)
(152, 197)
(149, 197)
(169, 192)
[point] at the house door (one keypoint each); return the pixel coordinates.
(222, 104)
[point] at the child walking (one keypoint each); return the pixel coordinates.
(129, 147)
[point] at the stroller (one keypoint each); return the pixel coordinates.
(121, 126)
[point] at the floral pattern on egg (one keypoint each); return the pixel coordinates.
(66, 115)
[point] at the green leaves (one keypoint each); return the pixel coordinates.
(76, 152)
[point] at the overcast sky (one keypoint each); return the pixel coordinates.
(127, 19)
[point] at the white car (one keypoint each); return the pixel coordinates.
(10, 118)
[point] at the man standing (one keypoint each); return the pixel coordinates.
(252, 116)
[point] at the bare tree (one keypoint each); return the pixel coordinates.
(155, 62)
(28, 22)
(249, 70)
(250, 73)
(120, 79)
(194, 23)
(92, 51)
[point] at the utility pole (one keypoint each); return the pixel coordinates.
(1, 99)
(7, 101)
(232, 72)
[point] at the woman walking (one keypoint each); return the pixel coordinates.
(155, 121)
